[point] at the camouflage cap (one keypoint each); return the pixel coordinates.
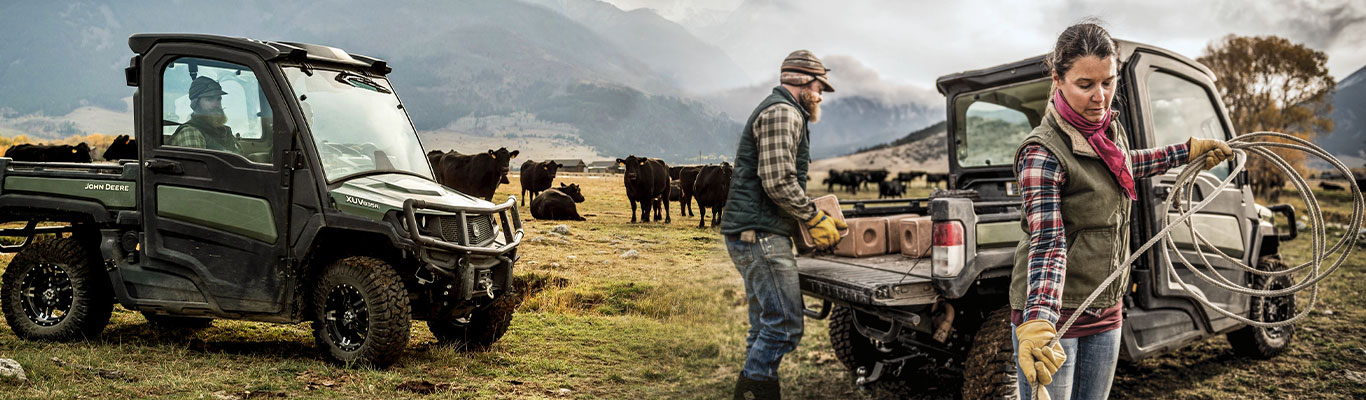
(205, 86)
(805, 62)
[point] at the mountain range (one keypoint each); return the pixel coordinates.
(622, 82)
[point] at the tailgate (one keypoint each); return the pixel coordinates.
(887, 280)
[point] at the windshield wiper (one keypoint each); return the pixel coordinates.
(361, 81)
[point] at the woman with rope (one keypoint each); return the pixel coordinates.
(1076, 175)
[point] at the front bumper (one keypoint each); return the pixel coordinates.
(472, 266)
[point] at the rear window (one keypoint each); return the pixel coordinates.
(989, 125)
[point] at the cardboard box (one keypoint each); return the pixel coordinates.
(917, 236)
(831, 205)
(894, 231)
(867, 237)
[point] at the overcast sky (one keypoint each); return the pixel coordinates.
(914, 42)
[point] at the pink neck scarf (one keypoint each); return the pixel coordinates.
(1095, 135)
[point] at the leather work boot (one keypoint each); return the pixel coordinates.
(749, 389)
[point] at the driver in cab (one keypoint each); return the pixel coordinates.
(207, 127)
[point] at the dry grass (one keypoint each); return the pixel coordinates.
(668, 324)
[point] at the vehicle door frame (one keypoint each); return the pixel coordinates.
(265, 290)
(1163, 303)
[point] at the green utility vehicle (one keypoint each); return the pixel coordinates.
(902, 323)
(324, 210)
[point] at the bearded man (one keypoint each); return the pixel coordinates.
(207, 127)
(767, 204)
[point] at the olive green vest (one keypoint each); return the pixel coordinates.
(747, 205)
(215, 137)
(1095, 218)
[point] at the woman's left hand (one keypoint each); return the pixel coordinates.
(1218, 151)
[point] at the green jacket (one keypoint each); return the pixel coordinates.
(1095, 214)
(747, 205)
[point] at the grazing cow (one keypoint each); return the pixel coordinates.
(537, 177)
(874, 176)
(907, 177)
(647, 181)
(850, 180)
(1332, 187)
(558, 203)
(675, 192)
(477, 175)
(932, 179)
(686, 178)
(123, 148)
(50, 153)
(891, 189)
(710, 190)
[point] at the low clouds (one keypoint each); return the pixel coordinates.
(916, 42)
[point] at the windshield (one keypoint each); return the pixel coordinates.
(357, 122)
(989, 125)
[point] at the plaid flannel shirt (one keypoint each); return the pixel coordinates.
(778, 131)
(1041, 179)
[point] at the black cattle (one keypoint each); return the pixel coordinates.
(477, 175)
(932, 179)
(537, 177)
(558, 203)
(674, 171)
(890, 189)
(710, 190)
(687, 177)
(873, 176)
(1332, 187)
(50, 153)
(647, 181)
(123, 148)
(675, 192)
(850, 180)
(907, 177)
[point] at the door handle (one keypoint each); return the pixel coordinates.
(163, 166)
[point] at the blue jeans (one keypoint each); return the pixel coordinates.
(1088, 371)
(769, 269)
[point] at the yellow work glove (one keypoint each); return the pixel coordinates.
(1037, 362)
(1218, 150)
(825, 230)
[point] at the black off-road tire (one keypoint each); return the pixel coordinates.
(387, 317)
(857, 351)
(989, 371)
(1263, 343)
(82, 286)
(480, 329)
(175, 322)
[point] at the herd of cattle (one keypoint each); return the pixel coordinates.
(123, 148)
(649, 182)
(852, 180)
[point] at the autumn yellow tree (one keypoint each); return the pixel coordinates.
(1271, 84)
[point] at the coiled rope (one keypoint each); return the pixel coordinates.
(1184, 189)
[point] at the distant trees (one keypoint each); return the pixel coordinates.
(1270, 84)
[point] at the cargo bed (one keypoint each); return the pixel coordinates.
(886, 280)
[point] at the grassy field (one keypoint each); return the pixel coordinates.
(669, 323)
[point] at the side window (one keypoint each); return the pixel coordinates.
(1182, 109)
(215, 105)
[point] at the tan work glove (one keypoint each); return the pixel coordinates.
(825, 230)
(1037, 362)
(1217, 149)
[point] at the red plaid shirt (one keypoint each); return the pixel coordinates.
(1041, 179)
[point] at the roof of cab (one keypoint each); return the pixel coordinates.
(1034, 67)
(268, 50)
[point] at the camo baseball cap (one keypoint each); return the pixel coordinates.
(205, 86)
(803, 61)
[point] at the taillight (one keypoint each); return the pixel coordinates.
(947, 257)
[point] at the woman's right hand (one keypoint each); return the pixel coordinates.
(1036, 359)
